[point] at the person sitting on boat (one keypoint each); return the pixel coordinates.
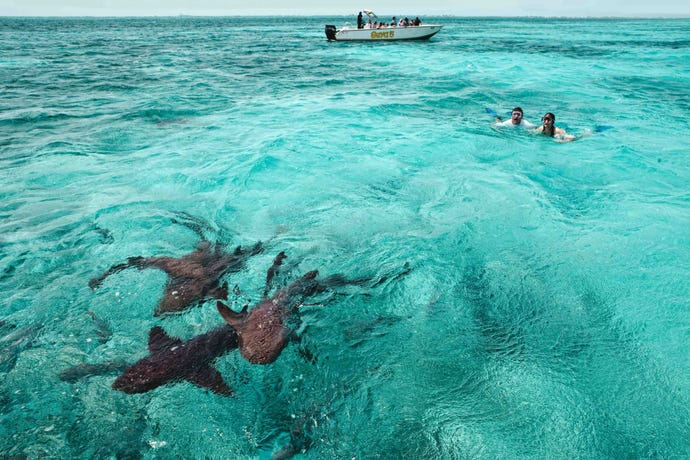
(416, 22)
(393, 22)
(549, 129)
(368, 25)
(515, 120)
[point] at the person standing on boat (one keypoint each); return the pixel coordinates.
(360, 23)
(515, 120)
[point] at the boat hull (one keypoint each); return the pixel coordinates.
(423, 32)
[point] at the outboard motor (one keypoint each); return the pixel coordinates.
(330, 32)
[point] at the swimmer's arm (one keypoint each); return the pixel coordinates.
(564, 137)
(567, 138)
(500, 122)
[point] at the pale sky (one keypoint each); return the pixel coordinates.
(576, 8)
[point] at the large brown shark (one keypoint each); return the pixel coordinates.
(172, 360)
(192, 277)
(263, 332)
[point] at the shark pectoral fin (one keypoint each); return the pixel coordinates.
(224, 290)
(160, 340)
(220, 292)
(234, 319)
(208, 377)
(96, 282)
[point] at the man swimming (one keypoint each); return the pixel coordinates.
(516, 119)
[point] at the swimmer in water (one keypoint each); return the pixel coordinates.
(549, 129)
(515, 120)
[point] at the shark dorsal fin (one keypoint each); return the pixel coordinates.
(160, 340)
(233, 318)
(208, 377)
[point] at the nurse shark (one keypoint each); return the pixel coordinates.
(172, 360)
(192, 277)
(264, 331)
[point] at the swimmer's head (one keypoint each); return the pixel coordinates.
(516, 115)
(549, 117)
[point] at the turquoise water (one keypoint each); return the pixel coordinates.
(546, 314)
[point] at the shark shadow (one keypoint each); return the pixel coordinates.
(172, 360)
(14, 340)
(192, 277)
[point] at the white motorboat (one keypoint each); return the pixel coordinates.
(388, 33)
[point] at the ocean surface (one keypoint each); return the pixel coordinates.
(527, 298)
